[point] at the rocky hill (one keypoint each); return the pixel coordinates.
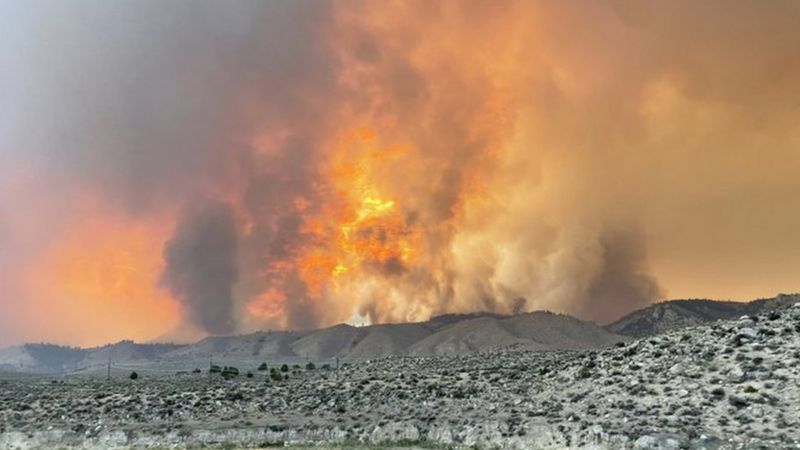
(452, 334)
(49, 358)
(534, 331)
(676, 314)
(446, 335)
(724, 385)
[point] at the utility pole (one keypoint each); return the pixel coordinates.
(210, 364)
(337, 367)
(108, 373)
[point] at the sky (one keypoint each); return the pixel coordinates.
(174, 170)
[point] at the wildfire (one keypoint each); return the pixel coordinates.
(361, 229)
(268, 304)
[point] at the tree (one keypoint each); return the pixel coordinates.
(134, 376)
(310, 366)
(284, 368)
(262, 367)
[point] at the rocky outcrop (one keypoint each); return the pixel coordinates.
(676, 314)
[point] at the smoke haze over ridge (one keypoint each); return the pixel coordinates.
(242, 165)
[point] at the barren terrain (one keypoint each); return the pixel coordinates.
(730, 384)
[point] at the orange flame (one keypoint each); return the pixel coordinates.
(360, 228)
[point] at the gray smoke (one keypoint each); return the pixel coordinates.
(152, 101)
(201, 266)
(624, 283)
(154, 104)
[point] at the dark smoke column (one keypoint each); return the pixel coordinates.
(201, 266)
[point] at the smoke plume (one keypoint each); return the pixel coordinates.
(201, 266)
(379, 162)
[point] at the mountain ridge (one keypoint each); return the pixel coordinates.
(669, 315)
(448, 334)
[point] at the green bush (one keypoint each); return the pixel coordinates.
(310, 366)
(134, 376)
(584, 373)
(284, 368)
(229, 372)
(262, 367)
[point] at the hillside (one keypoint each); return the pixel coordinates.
(451, 334)
(674, 314)
(533, 331)
(49, 358)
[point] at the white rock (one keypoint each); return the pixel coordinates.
(652, 443)
(646, 443)
(394, 431)
(749, 332)
(736, 374)
(676, 369)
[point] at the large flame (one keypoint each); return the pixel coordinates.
(300, 165)
(362, 231)
(371, 227)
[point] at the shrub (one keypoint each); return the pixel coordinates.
(284, 368)
(249, 374)
(229, 372)
(275, 375)
(215, 369)
(262, 367)
(134, 376)
(310, 366)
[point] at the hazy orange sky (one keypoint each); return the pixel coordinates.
(170, 170)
